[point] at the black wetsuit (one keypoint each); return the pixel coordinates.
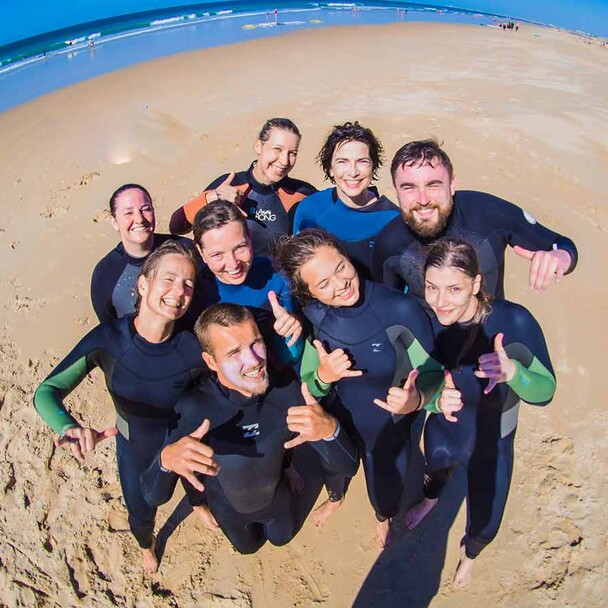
(145, 381)
(355, 229)
(482, 439)
(386, 335)
(249, 498)
(270, 208)
(482, 220)
(114, 282)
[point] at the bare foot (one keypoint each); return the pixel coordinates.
(464, 570)
(149, 561)
(383, 533)
(323, 512)
(418, 512)
(206, 517)
(295, 480)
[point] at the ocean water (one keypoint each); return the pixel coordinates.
(45, 63)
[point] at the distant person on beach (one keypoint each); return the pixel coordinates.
(114, 280)
(250, 417)
(265, 193)
(351, 210)
(495, 355)
(431, 208)
(147, 366)
(234, 274)
(373, 345)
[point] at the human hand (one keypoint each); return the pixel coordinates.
(227, 192)
(496, 366)
(545, 266)
(286, 324)
(188, 456)
(82, 441)
(402, 400)
(311, 421)
(450, 400)
(335, 365)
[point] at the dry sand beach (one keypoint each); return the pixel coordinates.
(523, 115)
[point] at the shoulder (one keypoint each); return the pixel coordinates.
(293, 185)
(240, 179)
(512, 315)
(395, 236)
(112, 259)
(471, 203)
(393, 302)
(316, 312)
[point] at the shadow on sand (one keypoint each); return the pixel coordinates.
(408, 571)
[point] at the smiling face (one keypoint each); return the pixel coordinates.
(331, 278)
(167, 290)
(425, 196)
(228, 253)
(135, 221)
(352, 171)
(451, 293)
(238, 356)
(276, 156)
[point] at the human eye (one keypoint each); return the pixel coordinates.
(430, 287)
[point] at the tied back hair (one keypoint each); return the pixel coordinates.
(451, 253)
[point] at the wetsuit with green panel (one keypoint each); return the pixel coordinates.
(482, 439)
(387, 335)
(145, 381)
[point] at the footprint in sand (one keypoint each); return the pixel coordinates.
(85, 180)
(100, 215)
(50, 212)
(25, 304)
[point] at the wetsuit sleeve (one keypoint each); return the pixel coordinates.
(48, 398)
(389, 244)
(158, 484)
(102, 284)
(420, 342)
(288, 355)
(339, 455)
(308, 371)
(534, 380)
(525, 231)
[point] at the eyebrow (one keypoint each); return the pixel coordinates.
(334, 272)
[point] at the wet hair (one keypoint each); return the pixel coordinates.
(122, 189)
(283, 124)
(216, 215)
(420, 153)
(223, 314)
(451, 253)
(292, 252)
(350, 131)
(151, 263)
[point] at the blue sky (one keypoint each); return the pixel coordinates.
(21, 19)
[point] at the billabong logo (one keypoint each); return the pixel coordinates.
(529, 218)
(265, 215)
(376, 347)
(251, 430)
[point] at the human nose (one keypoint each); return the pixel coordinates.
(137, 215)
(284, 158)
(252, 357)
(441, 299)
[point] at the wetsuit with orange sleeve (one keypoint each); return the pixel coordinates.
(270, 208)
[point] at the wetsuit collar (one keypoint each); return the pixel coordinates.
(151, 348)
(236, 398)
(256, 186)
(133, 260)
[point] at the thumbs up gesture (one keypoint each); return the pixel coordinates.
(188, 456)
(450, 400)
(496, 366)
(545, 266)
(335, 365)
(82, 441)
(311, 421)
(402, 400)
(286, 324)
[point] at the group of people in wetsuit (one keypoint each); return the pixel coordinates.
(330, 317)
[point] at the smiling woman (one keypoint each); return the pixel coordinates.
(265, 193)
(113, 284)
(147, 365)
